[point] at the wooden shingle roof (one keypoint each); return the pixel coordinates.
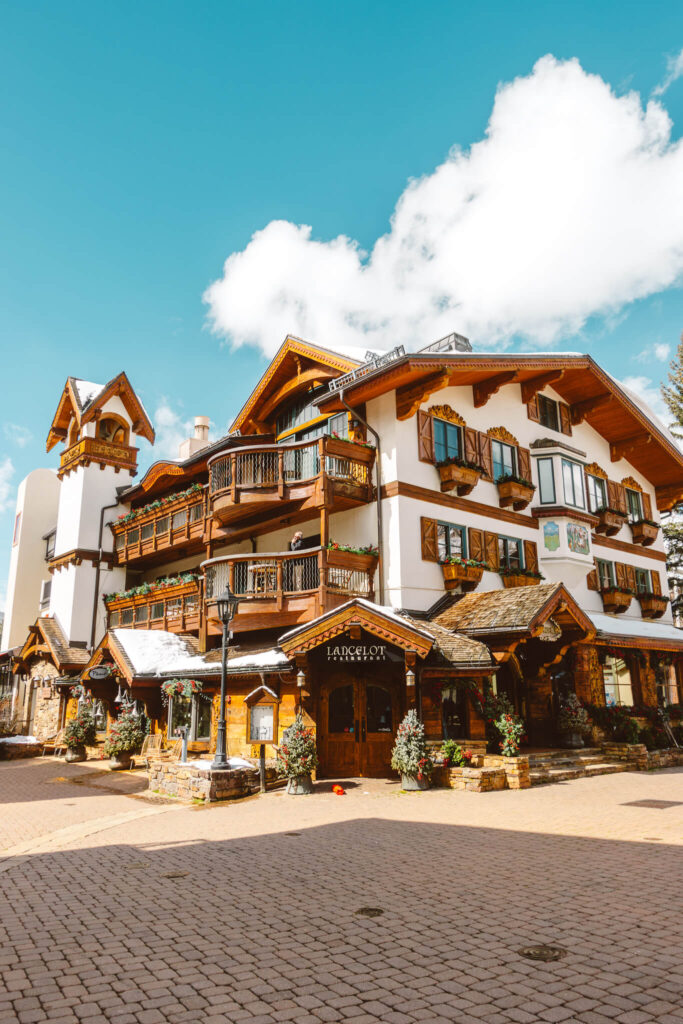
(517, 610)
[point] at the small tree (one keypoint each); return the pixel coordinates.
(409, 756)
(80, 731)
(126, 735)
(672, 393)
(297, 756)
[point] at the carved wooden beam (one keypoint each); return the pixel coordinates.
(619, 449)
(483, 389)
(410, 397)
(532, 386)
(579, 410)
(667, 497)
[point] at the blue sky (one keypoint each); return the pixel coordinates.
(144, 143)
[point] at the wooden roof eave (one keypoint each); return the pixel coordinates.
(121, 386)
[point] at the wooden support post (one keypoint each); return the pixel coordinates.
(281, 473)
(324, 527)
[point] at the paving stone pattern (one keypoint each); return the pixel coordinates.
(259, 926)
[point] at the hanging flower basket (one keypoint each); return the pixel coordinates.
(180, 688)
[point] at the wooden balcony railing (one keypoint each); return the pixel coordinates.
(175, 607)
(94, 449)
(175, 525)
(323, 471)
(285, 588)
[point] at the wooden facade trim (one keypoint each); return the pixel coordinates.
(328, 627)
(79, 555)
(102, 453)
(503, 434)
(410, 397)
(484, 389)
(533, 385)
(399, 488)
(630, 549)
(553, 511)
(579, 410)
(621, 449)
(592, 469)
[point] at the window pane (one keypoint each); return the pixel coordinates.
(179, 519)
(157, 610)
(453, 712)
(341, 709)
(196, 512)
(546, 481)
(442, 539)
(378, 716)
(568, 480)
(141, 613)
(503, 456)
(579, 499)
(127, 617)
(634, 505)
(261, 723)
(515, 554)
(181, 714)
(597, 496)
(202, 718)
(547, 409)
(147, 531)
(617, 679)
(162, 525)
(455, 542)
(605, 574)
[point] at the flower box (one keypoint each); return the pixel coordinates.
(514, 493)
(652, 606)
(520, 579)
(364, 560)
(609, 521)
(456, 574)
(616, 601)
(458, 478)
(644, 532)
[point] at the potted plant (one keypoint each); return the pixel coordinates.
(644, 531)
(610, 520)
(297, 757)
(79, 734)
(652, 606)
(520, 577)
(616, 599)
(458, 474)
(409, 757)
(124, 740)
(461, 571)
(453, 756)
(572, 721)
(514, 490)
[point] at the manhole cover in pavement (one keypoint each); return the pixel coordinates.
(369, 912)
(659, 804)
(175, 874)
(544, 953)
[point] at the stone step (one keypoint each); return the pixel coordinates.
(540, 776)
(564, 762)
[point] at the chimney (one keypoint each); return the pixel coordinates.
(191, 445)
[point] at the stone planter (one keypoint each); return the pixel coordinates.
(302, 785)
(571, 740)
(609, 521)
(121, 762)
(520, 580)
(652, 606)
(411, 783)
(458, 478)
(512, 493)
(466, 576)
(75, 754)
(644, 533)
(616, 601)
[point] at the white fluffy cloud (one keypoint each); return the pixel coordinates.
(658, 351)
(6, 474)
(570, 206)
(674, 70)
(170, 429)
(649, 391)
(17, 434)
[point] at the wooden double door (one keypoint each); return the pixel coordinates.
(358, 718)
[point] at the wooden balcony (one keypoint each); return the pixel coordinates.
(174, 527)
(284, 589)
(104, 453)
(176, 608)
(325, 473)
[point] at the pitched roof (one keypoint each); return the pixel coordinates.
(81, 399)
(455, 647)
(515, 610)
(48, 630)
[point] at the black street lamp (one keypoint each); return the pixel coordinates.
(227, 606)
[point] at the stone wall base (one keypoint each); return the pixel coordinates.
(486, 773)
(13, 751)
(641, 759)
(189, 782)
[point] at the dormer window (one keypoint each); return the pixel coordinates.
(447, 440)
(111, 430)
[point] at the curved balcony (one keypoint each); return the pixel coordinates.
(326, 472)
(283, 589)
(172, 526)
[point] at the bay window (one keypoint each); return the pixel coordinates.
(546, 481)
(572, 478)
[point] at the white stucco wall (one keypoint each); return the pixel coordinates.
(37, 501)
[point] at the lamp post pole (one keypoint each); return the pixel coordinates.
(227, 603)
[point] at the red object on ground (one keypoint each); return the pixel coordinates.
(339, 790)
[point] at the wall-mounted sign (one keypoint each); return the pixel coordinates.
(356, 652)
(100, 672)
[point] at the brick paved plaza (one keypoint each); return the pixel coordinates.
(118, 908)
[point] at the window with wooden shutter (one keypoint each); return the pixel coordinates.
(565, 418)
(430, 546)
(631, 577)
(485, 459)
(471, 445)
(477, 550)
(524, 463)
(592, 580)
(530, 556)
(532, 410)
(616, 496)
(647, 506)
(621, 574)
(656, 581)
(425, 437)
(491, 549)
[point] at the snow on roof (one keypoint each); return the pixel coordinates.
(620, 626)
(86, 390)
(155, 652)
(273, 658)
(19, 739)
